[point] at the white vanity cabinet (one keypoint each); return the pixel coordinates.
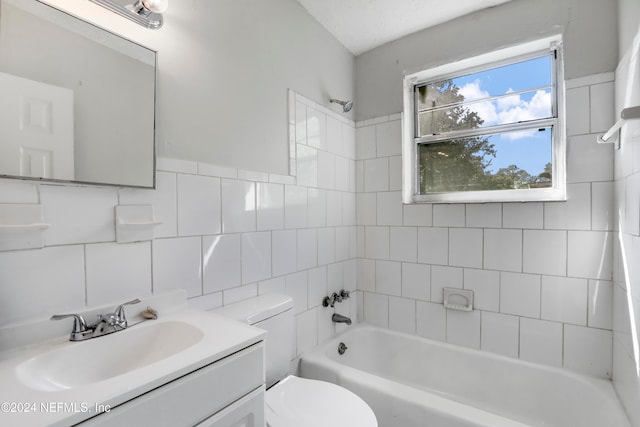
(226, 393)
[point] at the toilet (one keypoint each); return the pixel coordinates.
(292, 401)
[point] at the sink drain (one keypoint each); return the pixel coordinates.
(342, 348)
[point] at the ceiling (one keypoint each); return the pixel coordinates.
(361, 25)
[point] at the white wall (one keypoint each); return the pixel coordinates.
(227, 234)
(224, 68)
(588, 27)
(626, 322)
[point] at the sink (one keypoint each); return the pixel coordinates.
(77, 364)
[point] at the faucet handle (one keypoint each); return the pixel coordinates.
(336, 297)
(344, 294)
(79, 325)
(119, 311)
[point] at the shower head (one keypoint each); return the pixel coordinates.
(346, 105)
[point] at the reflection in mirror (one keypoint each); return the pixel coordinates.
(76, 102)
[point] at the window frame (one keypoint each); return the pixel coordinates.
(497, 58)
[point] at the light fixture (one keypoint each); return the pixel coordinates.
(147, 13)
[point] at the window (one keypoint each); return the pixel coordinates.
(488, 128)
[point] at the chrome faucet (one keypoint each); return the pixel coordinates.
(339, 318)
(106, 323)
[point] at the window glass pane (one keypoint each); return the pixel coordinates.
(511, 160)
(509, 94)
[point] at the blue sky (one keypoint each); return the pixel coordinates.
(528, 150)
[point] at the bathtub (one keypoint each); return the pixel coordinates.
(413, 382)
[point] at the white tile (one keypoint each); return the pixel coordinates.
(176, 264)
(349, 275)
(295, 206)
(334, 208)
(270, 206)
(590, 254)
(335, 277)
(395, 173)
(117, 273)
(389, 208)
(219, 171)
(444, 277)
(418, 214)
(376, 175)
(577, 111)
(326, 170)
(503, 249)
(488, 215)
(465, 247)
(316, 286)
(348, 209)
(431, 320)
(574, 214)
(239, 293)
(600, 309)
(348, 140)
(564, 299)
(78, 214)
(588, 350)
(402, 315)
(14, 191)
(206, 302)
(342, 174)
(163, 199)
(602, 206)
(296, 285)
(360, 245)
(334, 135)
(353, 185)
(541, 341)
(544, 252)
(306, 331)
(366, 208)
(485, 285)
(377, 242)
(403, 244)
(316, 129)
(326, 327)
(523, 215)
(176, 165)
(221, 259)
(275, 178)
(198, 205)
(389, 139)
(238, 206)
(602, 107)
(463, 328)
(359, 176)
(343, 244)
(326, 246)
(317, 211)
(249, 175)
(416, 281)
(256, 256)
(301, 122)
(40, 283)
(520, 294)
(307, 165)
(366, 276)
(283, 251)
(500, 333)
(588, 161)
(388, 277)
(433, 245)
(275, 285)
(376, 309)
(307, 248)
(366, 142)
(449, 215)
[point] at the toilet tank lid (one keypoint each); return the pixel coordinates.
(257, 309)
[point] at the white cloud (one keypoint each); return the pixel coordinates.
(510, 109)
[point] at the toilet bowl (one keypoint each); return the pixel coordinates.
(291, 401)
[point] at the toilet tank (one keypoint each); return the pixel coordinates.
(274, 314)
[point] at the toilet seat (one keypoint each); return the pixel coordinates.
(296, 402)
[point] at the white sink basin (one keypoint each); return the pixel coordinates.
(99, 359)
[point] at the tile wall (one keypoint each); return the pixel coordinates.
(226, 234)
(541, 272)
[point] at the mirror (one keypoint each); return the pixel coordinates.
(76, 102)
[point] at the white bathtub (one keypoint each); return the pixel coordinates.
(410, 381)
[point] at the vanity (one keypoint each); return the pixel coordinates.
(189, 367)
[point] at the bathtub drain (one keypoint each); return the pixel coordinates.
(342, 348)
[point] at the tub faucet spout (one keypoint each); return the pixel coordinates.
(339, 318)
